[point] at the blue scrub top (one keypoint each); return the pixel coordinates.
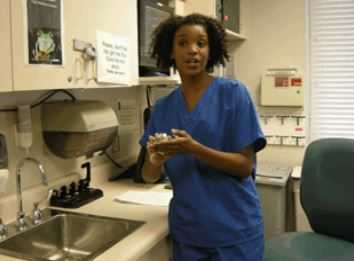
(209, 207)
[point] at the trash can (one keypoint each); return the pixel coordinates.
(273, 190)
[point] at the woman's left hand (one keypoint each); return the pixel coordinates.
(181, 142)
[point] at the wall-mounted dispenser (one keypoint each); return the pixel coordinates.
(85, 64)
(76, 128)
(24, 127)
(282, 87)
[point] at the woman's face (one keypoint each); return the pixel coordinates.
(190, 50)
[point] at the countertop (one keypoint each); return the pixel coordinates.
(140, 241)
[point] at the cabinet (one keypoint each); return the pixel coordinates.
(209, 7)
(5, 47)
(173, 78)
(161, 251)
(206, 7)
(81, 19)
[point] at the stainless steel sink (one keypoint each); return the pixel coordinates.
(68, 236)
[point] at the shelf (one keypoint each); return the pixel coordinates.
(232, 36)
(158, 80)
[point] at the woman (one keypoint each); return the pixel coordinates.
(210, 155)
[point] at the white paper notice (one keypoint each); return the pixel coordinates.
(112, 59)
(155, 198)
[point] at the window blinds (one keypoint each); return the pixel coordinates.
(331, 75)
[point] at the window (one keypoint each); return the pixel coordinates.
(331, 69)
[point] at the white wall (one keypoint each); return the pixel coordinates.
(275, 32)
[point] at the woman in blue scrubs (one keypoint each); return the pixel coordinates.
(210, 158)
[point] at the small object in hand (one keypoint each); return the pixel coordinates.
(162, 137)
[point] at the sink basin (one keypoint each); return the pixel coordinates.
(68, 236)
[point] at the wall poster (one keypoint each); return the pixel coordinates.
(44, 31)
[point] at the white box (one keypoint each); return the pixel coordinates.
(282, 87)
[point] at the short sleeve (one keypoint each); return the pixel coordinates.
(246, 127)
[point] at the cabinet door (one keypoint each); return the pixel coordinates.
(206, 7)
(84, 18)
(81, 20)
(179, 7)
(5, 47)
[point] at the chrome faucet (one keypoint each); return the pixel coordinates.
(21, 221)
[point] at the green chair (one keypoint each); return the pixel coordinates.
(327, 196)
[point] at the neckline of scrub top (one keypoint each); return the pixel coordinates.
(196, 109)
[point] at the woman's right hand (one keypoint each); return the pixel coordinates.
(156, 158)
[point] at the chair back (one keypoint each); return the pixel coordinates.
(327, 187)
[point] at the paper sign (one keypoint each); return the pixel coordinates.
(155, 198)
(112, 59)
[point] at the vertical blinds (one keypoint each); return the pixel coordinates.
(331, 103)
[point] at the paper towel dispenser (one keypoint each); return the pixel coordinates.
(76, 128)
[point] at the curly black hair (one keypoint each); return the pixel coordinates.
(163, 36)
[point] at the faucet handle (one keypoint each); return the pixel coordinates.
(50, 194)
(37, 214)
(46, 199)
(21, 221)
(3, 230)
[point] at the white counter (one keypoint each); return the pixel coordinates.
(141, 241)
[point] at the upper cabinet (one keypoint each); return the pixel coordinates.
(5, 46)
(82, 37)
(206, 7)
(234, 14)
(230, 11)
(151, 14)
